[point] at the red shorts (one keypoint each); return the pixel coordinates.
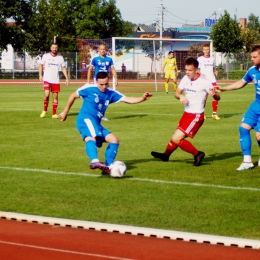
(52, 87)
(190, 124)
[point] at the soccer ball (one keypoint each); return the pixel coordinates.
(118, 169)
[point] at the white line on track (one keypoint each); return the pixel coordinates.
(135, 179)
(63, 251)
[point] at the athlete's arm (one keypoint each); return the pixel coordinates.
(114, 74)
(64, 70)
(40, 71)
(135, 100)
(89, 73)
(63, 115)
(178, 95)
(237, 85)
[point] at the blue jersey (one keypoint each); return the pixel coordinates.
(253, 74)
(101, 64)
(95, 102)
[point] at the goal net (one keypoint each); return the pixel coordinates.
(141, 59)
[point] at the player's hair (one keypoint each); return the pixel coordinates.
(192, 61)
(205, 45)
(101, 75)
(54, 43)
(256, 47)
(102, 44)
(170, 52)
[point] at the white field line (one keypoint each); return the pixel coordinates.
(196, 184)
(61, 250)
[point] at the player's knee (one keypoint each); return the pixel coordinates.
(243, 131)
(257, 135)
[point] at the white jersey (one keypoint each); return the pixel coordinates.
(206, 66)
(196, 91)
(52, 65)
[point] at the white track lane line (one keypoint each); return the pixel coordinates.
(62, 250)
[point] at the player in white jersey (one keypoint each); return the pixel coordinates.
(208, 70)
(51, 62)
(192, 93)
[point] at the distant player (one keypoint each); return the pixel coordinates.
(208, 70)
(96, 99)
(51, 62)
(192, 93)
(171, 71)
(102, 63)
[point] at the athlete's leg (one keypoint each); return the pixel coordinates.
(245, 142)
(112, 148)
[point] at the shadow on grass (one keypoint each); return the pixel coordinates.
(229, 115)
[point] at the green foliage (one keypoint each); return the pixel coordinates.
(73, 19)
(226, 35)
(44, 169)
(236, 74)
(17, 33)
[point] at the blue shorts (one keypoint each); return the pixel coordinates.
(252, 116)
(92, 128)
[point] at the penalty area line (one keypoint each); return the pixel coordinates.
(135, 179)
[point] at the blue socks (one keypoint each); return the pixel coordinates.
(110, 153)
(245, 140)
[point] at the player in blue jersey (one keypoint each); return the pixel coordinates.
(102, 63)
(96, 99)
(251, 119)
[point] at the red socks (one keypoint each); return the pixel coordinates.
(214, 106)
(54, 108)
(187, 147)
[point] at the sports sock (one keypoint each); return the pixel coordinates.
(166, 87)
(171, 147)
(91, 150)
(54, 108)
(45, 105)
(174, 86)
(214, 106)
(186, 146)
(245, 141)
(111, 153)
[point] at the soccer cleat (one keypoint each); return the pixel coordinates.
(106, 171)
(245, 166)
(104, 119)
(43, 114)
(55, 116)
(166, 92)
(162, 156)
(198, 158)
(215, 116)
(101, 166)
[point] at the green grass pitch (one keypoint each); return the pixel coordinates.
(44, 169)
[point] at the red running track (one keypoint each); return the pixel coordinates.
(31, 241)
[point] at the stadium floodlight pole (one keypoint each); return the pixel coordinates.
(54, 39)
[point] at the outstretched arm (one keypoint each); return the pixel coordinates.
(237, 85)
(135, 100)
(63, 115)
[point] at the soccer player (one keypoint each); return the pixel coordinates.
(96, 99)
(192, 92)
(170, 65)
(207, 69)
(51, 62)
(251, 118)
(102, 63)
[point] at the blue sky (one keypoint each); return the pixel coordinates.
(180, 12)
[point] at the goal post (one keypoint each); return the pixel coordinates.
(144, 56)
(141, 59)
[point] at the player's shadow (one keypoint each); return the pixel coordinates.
(229, 115)
(129, 116)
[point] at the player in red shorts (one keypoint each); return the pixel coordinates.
(192, 93)
(52, 62)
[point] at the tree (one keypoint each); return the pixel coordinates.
(254, 23)
(93, 19)
(226, 36)
(14, 29)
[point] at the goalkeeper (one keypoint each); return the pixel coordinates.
(170, 65)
